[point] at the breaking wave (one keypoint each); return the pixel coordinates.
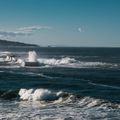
(36, 102)
(47, 95)
(54, 61)
(73, 63)
(69, 62)
(37, 95)
(32, 94)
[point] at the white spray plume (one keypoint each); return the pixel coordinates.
(32, 56)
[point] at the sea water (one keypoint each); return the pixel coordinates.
(72, 84)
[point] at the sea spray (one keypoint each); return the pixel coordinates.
(32, 56)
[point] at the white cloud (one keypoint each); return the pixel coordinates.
(34, 28)
(13, 33)
(24, 31)
(80, 29)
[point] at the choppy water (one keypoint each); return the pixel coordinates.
(73, 84)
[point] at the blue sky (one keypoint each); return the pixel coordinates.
(61, 22)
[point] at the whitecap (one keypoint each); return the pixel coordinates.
(37, 95)
(73, 63)
(54, 61)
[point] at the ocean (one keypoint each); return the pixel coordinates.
(72, 84)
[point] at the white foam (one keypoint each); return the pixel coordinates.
(21, 62)
(58, 101)
(36, 95)
(86, 108)
(26, 94)
(91, 63)
(54, 61)
(95, 64)
(72, 63)
(59, 93)
(89, 102)
(41, 94)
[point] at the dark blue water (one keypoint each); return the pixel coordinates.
(89, 79)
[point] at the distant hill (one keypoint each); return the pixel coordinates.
(6, 43)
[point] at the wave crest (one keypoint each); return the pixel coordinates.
(38, 95)
(73, 63)
(54, 61)
(46, 97)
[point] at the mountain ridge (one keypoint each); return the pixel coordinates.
(14, 43)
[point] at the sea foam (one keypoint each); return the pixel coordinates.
(38, 95)
(73, 63)
(54, 61)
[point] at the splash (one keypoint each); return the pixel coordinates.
(32, 56)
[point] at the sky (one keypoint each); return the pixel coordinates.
(79, 23)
